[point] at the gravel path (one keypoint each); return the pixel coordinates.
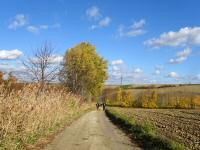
(93, 131)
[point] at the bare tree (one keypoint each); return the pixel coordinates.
(42, 66)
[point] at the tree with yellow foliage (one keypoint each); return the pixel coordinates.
(108, 102)
(119, 96)
(144, 100)
(171, 102)
(184, 102)
(149, 99)
(127, 99)
(195, 101)
(153, 100)
(84, 71)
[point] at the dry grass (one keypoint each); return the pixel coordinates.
(28, 114)
(160, 88)
(193, 89)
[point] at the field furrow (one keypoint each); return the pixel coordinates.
(180, 125)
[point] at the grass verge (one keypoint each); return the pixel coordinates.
(143, 134)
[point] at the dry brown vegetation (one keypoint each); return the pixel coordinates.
(28, 114)
(180, 125)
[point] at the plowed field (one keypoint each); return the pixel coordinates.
(180, 125)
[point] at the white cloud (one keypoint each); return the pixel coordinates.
(120, 30)
(116, 74)
(10, 54)
(18, 21)
(102, 23)
(93, 13)
(157, 72)
(33, 29)
(133, 32)
(137, 74)
(93, 27)
(17, 70)
(181, 56)
(43, 26)
(158, 69)
(119, 70)
(56, 59)
(183, 37)
(136, 29)
(105, 22)
(37, 29)
(117, 62)
(116, 68)
(139, 24)
(138, 71)
(173, 75)
(197, 77)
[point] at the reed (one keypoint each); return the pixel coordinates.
(29, 113)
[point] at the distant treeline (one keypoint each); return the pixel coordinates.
(151, 98)
(154, 86)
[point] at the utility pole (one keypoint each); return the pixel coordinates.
(121, 80)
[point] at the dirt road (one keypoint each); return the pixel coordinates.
(93, 131)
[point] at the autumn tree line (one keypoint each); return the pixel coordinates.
(150, 99)
(82, 71)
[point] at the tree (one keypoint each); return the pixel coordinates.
(195, 101)
(10, 83)
(1, 77)
(153, 100)
(84, 71)
(41, 67)
(119, 96)
(127, 98)
(149, 99)
(11, 78)
(144, 100)
(172, 102)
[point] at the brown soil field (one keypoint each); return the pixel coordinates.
(180, 125)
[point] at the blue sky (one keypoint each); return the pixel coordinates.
(144, 41)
